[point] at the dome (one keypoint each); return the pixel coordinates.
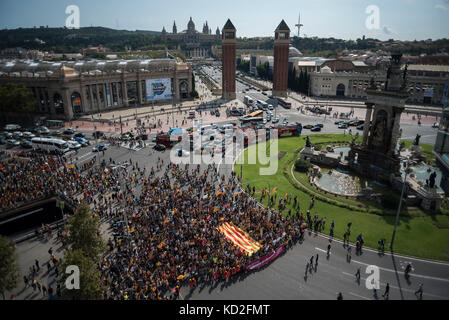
(326, 69)
(293, 52)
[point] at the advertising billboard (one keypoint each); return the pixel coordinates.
(158, 89)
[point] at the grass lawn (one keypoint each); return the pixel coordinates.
(419, 233)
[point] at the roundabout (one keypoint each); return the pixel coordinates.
(420, 233)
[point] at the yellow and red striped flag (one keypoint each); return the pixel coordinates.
(239, 238)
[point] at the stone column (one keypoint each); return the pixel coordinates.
(92, 106)
(51, 96)
(369, 112)
(84, 105)
(124, 93)
(139, 88)
(395, 131)
(68, 111)
(105, 96)
(116, 93)
(98, 98)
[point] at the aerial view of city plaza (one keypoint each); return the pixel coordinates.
(257, 161)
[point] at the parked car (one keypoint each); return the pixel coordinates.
(12, 143)
(436, 125)
(73, 145)
(99, 148)
(83, 142)
(43, 130)
(69, 131)
(98, 134)
(26, 144)
(160, 147)
(17, 135)
(182, 153)
(13, 127)
(275, 120)
(7, 135)
(28, 135)
(2, 140)
(79, 135)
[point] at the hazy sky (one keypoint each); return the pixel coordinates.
(399, 19)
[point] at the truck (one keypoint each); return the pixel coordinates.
(167, 140)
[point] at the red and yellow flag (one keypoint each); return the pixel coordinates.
(239, 238)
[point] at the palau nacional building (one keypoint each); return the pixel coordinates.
(68, 90)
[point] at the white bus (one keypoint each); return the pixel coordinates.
(248, 101)
(50, 145)
(262, 105)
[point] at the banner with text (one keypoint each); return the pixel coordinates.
(158, 89)
(259, 263)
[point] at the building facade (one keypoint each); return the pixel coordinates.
(192, 38)
(68, 90)
(425, 84)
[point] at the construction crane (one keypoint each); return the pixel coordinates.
(299, 25)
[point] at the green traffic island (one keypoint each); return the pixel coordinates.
(420, 233)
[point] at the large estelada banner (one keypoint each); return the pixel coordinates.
(158, 89)
(259, 263)
(239, 238)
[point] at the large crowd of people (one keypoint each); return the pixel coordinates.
(173, 214)
(173, 237)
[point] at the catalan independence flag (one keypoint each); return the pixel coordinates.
(239, 238)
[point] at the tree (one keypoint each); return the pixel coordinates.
(90, 284)
(9, 270)
(84, 233)
(302, 165)
(17, 98)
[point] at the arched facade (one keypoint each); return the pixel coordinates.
(76, 103)
(58, 103)
(341, 90)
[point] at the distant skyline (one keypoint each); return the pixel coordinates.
(343, 19)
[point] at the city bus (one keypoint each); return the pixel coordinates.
(284, 104)
(262, 105)
(50, 145)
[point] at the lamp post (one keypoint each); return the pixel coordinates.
(407, 171)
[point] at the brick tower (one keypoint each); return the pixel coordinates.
(281, 54)
(229, 60)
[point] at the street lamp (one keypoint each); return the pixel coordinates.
(407, 171)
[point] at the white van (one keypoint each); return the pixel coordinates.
(12, 127)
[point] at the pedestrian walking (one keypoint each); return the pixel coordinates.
(420, 291)
(340, 296)
(316, 261)
(328, 249)
(357, 274)
(387, 292)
